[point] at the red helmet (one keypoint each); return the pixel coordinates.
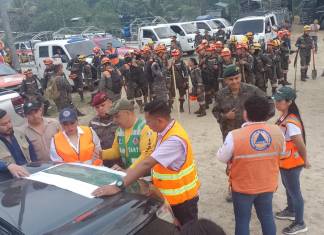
(226, 52)
(96, 50)
(146, 50)
(175, 52)
(48, 61)
(105, 60)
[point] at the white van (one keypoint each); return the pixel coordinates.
(185, 32)
(159, 34)
(261, 26)
(208, 25)
(61, 51)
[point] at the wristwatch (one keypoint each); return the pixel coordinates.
(120, 184)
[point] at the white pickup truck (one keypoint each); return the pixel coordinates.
(13, 103)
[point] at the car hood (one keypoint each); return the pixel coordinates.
(11, 80)
(25, 203)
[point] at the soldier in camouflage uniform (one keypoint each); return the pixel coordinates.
(103, 124)
(305, 45)
(198, 89)
(76, 67)
(160, 74)
(178, 67)
(96, 63)
(142, 79)
(48, 72)
(198, 38)
(148, 61)
(229, 102)
(250, 39)
(232, 46)
(284, 55)
(226, 60)
(31, 91)
(245, 62)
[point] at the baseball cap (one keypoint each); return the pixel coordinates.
(31, 105)
(119, 105)
(68, 115)
(99, 98)
(285, 93)
(231, 70)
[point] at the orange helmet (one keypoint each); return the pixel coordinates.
(48, 61)
(96, 50)
(160, 48)
(226, 52)
(175, 52)
(242, 45)
(146, 50)
(105, 60)
(219, 44)
(280, 33)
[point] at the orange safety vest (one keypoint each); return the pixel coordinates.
(86, 147)
(292, 158)
(177, 186)
(255, 162)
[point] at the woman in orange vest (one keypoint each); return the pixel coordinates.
(74, 143)
(294, 161)
(174, 172)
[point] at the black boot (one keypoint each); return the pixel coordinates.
(303, 75)
(203, 111)
(306, 76)
(181, 106)
(285, 81)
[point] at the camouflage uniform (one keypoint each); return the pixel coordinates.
(160, 80)
(198, 89)
(65, 89)
(284, 59)
(232, 47)
(106, 85)
(276, 73)
(48, 74)
(305, 45)
(76, 67)
(105, 128)
(220, 35)
(247, 68)
(225, 102)
(149, 75)
(262, 69)
(87, 71)
(222, 67)
(181, 80)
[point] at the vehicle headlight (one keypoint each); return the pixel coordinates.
(165, 213)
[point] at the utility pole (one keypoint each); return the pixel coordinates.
(8, 33)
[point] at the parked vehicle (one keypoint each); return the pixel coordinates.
(13, 103)
(62, 51)
(10, 78)
(157, 33)
(35, 207)
(24, 50)
(222, 22)
(208, 25)
(261, 26)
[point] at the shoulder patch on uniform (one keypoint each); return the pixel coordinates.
(260, 140)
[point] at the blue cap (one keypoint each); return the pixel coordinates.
(68, 115)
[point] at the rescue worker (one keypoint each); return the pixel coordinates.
(174, 172)
(198, 38)
(31, 91)
(148, 75)
(103, 124)
(262, 65)
(315, 27)
(220, 35)
(15, 150)
(48, 72)
(175, 44)
(198, 89)
(274, 72)
(87, 72)
(131, 73)
(232, 45)
(110, 50)
(245, 63)
(74, 143)
(253, 152)
(228, 109)
(160, 75)
(226, 60)
(76, 67)
(305, 45)
(207, 36)
(134, 140)
(179, 72)
(142, 78)
(294, 161)
(111, 80)
(96, 63)
(284, 56)
(250, 38)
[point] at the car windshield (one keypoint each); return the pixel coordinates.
(164, 32)
(80, 48)
(226, 23)
(242, 27)
(189, 28)
(212, 24)
(6, 70)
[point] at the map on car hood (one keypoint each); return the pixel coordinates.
(76, 177)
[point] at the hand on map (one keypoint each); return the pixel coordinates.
(107, 190)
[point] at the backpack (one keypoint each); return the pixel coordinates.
(52, 90)
(117, 83)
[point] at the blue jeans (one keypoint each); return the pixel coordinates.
(242, 210)
(295, 201)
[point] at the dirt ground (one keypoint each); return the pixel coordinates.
(206, 139)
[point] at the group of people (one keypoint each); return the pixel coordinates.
(235, 77)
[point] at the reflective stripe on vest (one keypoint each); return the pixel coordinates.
(292, 158)
(255, 162)
(86, 147)
(177, 186)
(131, 151)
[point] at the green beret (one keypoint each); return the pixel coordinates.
(230, 71)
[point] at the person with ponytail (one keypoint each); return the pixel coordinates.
(294, 160)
